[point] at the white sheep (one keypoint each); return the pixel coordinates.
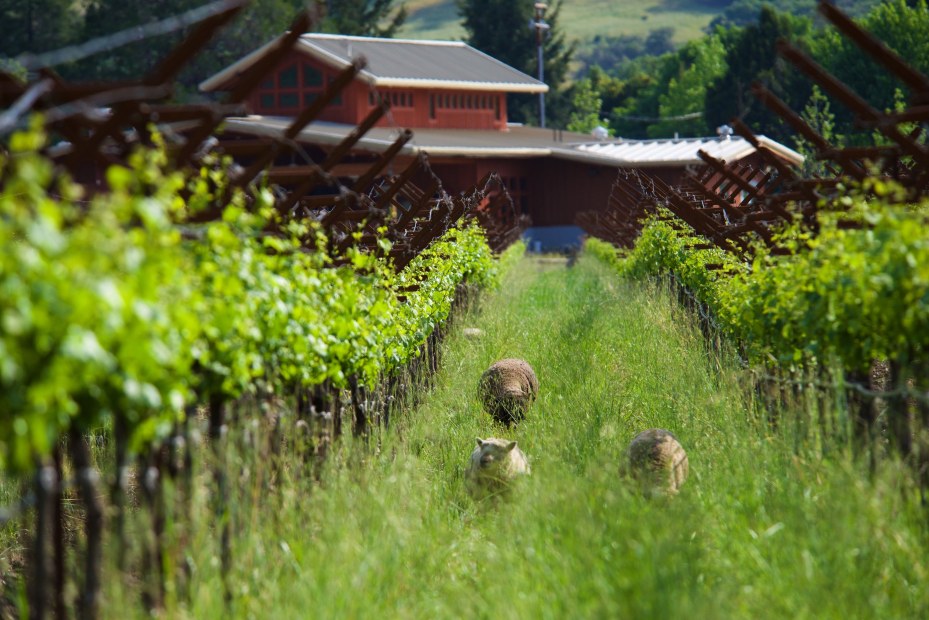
(494, 464)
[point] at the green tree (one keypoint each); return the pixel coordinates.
(636, 99)
(37, 25)
(501, 29)
(745, 12)
(818, 114)
(259, 22)
(609, 88)
(368, 18)
(902, 28)
(751, 55)
(657, 91)
(612, 51)
(586, 104)
(681, 105)
(105, 17)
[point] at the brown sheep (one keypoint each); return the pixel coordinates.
(494, 464)
(657, 460)
(507, 389)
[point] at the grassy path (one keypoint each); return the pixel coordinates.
(761, 529)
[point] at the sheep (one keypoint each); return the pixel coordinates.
(472, 332)
(656, 459)
(494, 464)
(507, 389)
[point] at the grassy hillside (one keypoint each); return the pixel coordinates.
(581, 19)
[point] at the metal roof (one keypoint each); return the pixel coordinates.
(521, 142)
(682, 151)
(403, 63)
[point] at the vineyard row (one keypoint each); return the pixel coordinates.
(812, 271)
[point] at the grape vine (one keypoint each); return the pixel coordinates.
(113, 308)
(850, 294)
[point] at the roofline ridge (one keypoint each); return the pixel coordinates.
(327, 35)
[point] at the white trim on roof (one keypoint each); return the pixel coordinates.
(348, 37)
(458, 85)
(261, 126)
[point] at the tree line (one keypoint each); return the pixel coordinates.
(635, 88)
(36, 26)
(706, 82)
(497, 27)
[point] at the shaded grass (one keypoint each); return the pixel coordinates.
(764, 527)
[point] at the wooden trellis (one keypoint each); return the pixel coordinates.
(731, 204)
(95, 125)
(101, 122)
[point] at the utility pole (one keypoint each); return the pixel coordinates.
(541, 30)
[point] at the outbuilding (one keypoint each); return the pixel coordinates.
(453, 98)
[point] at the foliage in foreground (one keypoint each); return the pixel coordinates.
(847, 294)
(110, 311)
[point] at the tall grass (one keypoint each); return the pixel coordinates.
(765, 527)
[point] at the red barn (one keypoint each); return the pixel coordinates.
(453, 97)
(434, 84)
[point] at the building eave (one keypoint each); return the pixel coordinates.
(457, 85)
(261, 126)
(521, 143)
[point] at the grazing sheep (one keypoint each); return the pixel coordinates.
(507, 389)
(494, 464)
(472, 332)
(658, 461)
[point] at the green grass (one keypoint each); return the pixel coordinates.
(580, 19)
(765, 527)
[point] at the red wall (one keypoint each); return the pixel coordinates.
(298, 78)
(567, 188)
(550, 191)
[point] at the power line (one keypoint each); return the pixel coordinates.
(657, 119)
